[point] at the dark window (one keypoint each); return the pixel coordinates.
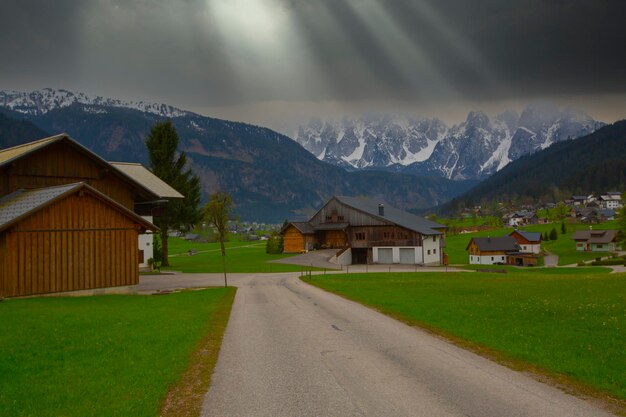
(328, 218)
(360, 235)
(340, 218)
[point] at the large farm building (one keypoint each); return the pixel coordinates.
(367, 232)
(69, 220)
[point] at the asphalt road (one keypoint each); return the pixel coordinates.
(293, 350)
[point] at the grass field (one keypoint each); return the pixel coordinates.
(102, 356)
(563, 247)
(569, 322)
(240, 257)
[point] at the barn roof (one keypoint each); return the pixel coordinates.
(10, 155)
(391, 214)
(146, 178)
(21, 203)
(304, 227)
(495, 244)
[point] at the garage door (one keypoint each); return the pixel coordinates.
(407, 256)
(385, 255)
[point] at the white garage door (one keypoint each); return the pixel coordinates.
(407, 256)
(385, 256)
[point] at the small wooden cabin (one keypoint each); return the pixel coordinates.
(298, 237)
(66, 238)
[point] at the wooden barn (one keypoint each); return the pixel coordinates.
(60, 160)
(368, 232)
(66, 238)
(69, 220)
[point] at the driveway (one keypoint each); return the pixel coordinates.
(550, 260)
(291, 349)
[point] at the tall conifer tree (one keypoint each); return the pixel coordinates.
(169, 165)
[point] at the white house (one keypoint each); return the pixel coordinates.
(596, 240)
(491, 250)
(159, 187)
(529, 242)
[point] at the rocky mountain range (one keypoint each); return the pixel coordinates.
(473, 149)
(270, 176)
(592, 164)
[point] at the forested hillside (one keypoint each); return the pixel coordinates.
(594, 163)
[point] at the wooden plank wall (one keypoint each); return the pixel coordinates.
(293, 240)
(344, 214)
(3, 250)
(77, 243)
(4, 182)
(384, 236)
(59, 164)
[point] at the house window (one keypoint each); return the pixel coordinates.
(360, 235)
(429, 251)
(328, 218)
(599, 246)
(340, 218)
(434, 251)
(386, 235)
(492, 258)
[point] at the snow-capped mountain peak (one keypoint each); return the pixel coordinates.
(47, 99)
(475, 148)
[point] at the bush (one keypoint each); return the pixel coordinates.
(553, 234)
(275, 244)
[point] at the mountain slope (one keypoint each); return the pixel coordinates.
(473, 149)
(14, 132)
(594, 163)
(270, 176)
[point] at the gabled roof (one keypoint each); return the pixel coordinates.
(495, 244)
(146, 178)
(304, 227)
(22, 203)
(9, 155)
(393, 215)
(529, 236)
(595, 236)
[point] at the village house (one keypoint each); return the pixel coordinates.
(611, 200)
(502, 250)
(521, 218)
(529, 242)
(366, 232)
(596, 240)
(69, 220)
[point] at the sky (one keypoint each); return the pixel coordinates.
(278, 63)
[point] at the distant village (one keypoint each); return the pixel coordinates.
(589, 209)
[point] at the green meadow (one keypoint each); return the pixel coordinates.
(564, 246)
(241, 256)
(568, 322)
(115, 355)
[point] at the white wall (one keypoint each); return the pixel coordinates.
(530, 248)
(345, 258)
(395, 250)
(431, 249)
(146, 245)
(486, 259)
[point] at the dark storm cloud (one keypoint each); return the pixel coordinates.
(207, 53)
